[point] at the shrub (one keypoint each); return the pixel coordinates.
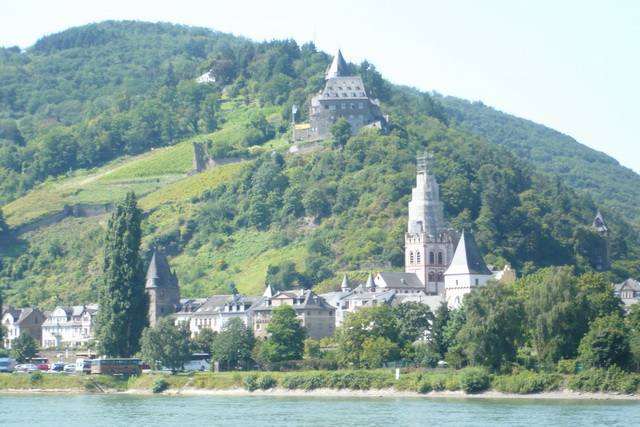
(35, 377)
(566, 366)
(159, 384)
(474, 379)
(424, 385)
(526, 382)
(266, 382)
(604, 380)
(250, 382)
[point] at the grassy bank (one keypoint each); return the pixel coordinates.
(468, 380)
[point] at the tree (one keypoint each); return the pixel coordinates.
(494, 325)
(232, 346)
(4, 228)
(123, 303)
(558, 314)
(24, 348)
(287, 335)
(362, 327)
(414, 319)
(438, 342)
(606, 343)
(167, 344)
(203, 341)
(341, 131)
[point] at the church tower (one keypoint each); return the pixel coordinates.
(466, 272)
(162, 288)
(429, 246)
(603, 255)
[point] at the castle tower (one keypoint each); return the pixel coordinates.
(429, 246)
(603, 256)
(162, 287)
(466, 272)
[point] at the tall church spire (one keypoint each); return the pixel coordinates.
(425, 208)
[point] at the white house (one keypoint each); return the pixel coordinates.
(69, 326)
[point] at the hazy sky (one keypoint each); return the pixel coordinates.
(572, 65)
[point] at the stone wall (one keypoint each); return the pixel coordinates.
(77, 211)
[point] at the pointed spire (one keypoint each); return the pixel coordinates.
(159, 273)
(599, 223)
(346, 284)
(268, 293)
(467, 259)
(338, 67)
(371, 285)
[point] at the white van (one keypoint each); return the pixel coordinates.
(198, 362)
(83, 365)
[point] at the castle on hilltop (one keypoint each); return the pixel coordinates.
(342, 96)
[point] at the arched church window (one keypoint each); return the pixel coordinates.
(432, 276)
(440, 276)
(411, 260)
(440, 258)
(432, 258)
(418, 260)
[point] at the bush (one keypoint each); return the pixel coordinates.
(250, 382)
(527, 382)
(35, 377)
(159, 384)
(266, 382)
(474, 379)
(567, 366)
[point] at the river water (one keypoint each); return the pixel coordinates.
(148, 410)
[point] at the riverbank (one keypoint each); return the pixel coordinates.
(332, 393)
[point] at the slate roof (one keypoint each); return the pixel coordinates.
(159, 273)
(467, 258)
(599, 223)
(338, 67)
(399, 280)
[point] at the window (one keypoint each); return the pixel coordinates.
(477, 282)
(353, 94)
(332, 106)
(431, 276)
(361, 105)
(335, 94)
(326, 107)
(440, 276)
(440, 258)
(344, 94)
(432, 258)
(418, 258)
(352, 106)
(348, 87)
(411, 260)
(343, 106)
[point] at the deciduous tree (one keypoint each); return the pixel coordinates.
(287, 335)
(232, 346)
(24, 348)
(167, 344)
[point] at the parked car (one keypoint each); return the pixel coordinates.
(70, 368)
(58, 367)
(43, 366)
(7, 364)
(28, 368)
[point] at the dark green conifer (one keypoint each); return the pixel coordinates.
(123, 303)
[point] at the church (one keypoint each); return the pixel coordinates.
(342, 96)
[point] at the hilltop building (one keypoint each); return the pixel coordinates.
(342, 96)
(162, 288)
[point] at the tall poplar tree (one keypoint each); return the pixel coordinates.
(123, 303)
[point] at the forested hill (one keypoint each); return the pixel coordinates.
(95, 111)
(550, 151)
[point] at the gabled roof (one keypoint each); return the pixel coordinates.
(397, 280)
(627, 284)
(467, 259)
(338, 67)
(159, 273)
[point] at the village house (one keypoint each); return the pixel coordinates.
(312, 310)
(17, 321)
(628, 291)
(69, 326)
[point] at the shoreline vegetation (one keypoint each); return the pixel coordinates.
(374, 384)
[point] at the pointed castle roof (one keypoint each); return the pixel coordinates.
(346, 284)
(467, 259)
(159, 273)
(599, 223)
(338, 67)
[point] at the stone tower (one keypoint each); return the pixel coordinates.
(162, 287)
(603, 255)
(429, 246)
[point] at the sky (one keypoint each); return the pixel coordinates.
(571, 65)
